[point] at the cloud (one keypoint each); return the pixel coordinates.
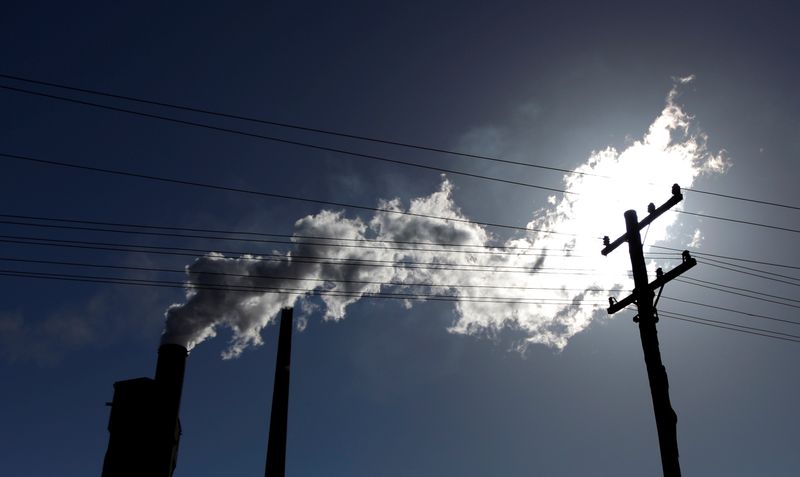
(683, 79)
(697, 239)
(547, 286)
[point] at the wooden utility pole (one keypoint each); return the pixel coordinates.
(666, 419)
(276, 445)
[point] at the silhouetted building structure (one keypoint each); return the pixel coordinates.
(144, 430)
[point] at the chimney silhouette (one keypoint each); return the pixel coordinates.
(144, 429)
(279, 416)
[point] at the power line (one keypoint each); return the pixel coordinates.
(295, 278)
(358, 137)
(727, 257)
(740, 294)
(265, 194)
(745, 199)
(366, 295)
(290, 142)
(738, 221)
(298, 127)
(493, 249)
(284, 242)
(765, 335)
(257, 234)
(350, 153)
(764, 330)
(764, 277)
(273, 257)
(731, 310)
(288, 290)
(738, 288)
(315, 201)
(318, 147)
(403, 296)
(191, 252)
(734, 267)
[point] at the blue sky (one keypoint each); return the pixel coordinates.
(390, 390)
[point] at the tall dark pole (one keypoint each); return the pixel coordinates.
(666, 420)
(276, 446)
(642, 296)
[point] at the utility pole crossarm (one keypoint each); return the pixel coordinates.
(654, 213)
(663, 278)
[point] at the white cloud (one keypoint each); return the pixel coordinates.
(683, 79)
(697, 239)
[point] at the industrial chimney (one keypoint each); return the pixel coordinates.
(144, 429)
(276, 445)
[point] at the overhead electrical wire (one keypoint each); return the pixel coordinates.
(447, 247)
(739, 221)
(520, 252)
(434, 267)
(358, 137)
(285, 290)
(327, 149)
(726, 257)
(713, 325)
(352, 153)
(494, 249)
(688, 318)
(738, 269)
(731, 287)
(206, 185)
(733, 292)
(368, 295)
(744, 199)
(290, 142)
(296, 126)
(274, 257)
(295, 278)
(709, 261)
(322, 292)
(255, 234)
(727, 323)
(336, 245)
(731, 310)
(191, 252)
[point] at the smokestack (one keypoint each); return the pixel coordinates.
(170, 369)
(276, 445)
(144, 429)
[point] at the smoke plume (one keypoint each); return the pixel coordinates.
(547, 285)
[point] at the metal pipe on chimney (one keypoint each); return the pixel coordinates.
(276, 446)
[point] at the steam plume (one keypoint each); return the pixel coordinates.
(563, 292)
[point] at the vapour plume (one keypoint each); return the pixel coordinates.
(547, 286)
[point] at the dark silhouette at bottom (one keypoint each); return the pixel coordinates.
(144, 430)
(276, 446)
